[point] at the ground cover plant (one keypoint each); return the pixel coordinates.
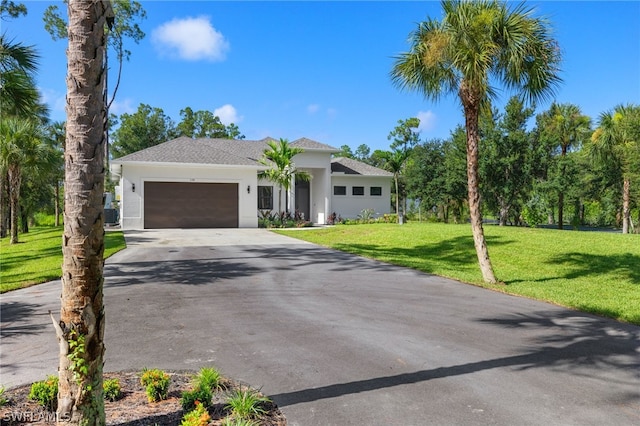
(595, 272)
(38, 256)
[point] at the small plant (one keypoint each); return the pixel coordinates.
(45, 393)
(111, 389)
(230, 421)
(3, 399)
(246, 404)
(77, 350)
(208, 377)
(156, 383)
(198, 396)
(199, 416)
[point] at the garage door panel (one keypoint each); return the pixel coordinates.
(190, 205)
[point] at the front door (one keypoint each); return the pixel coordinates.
(303, 199)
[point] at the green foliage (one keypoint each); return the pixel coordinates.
(45, 393)
(208, 378)
(39, 258)
(199, 395)
(77, 351)
(534, 212)
(269, 219)
(111, 389)
(231, 421)
(246, 404)
(596, 272)
(146, 127)
(156, 383)
(204, 124)
(199, 416)
(3, 399)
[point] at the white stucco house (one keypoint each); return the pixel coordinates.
(214, 183)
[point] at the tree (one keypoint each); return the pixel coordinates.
(20, 147)
(55, 134)
(505, 159)
(279, 157)
(424, 173)
(345, 151)
(144, 128)
(363, 153)
(405, 135)
(124, 25)
(566, 128)
(203, 124)
(12, 9)
(18, 93)
(475, 44)
(80, 330)
(617, 141)
(394, 163)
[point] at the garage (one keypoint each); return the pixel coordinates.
(190, 205)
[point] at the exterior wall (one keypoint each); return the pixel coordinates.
(131, 202)
(349, 206)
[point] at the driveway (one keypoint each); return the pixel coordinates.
(336, 339)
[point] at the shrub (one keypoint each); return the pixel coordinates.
(208, 377)
(246, 404)
(3, 400)
(230, 421)
(197, 417)
(198, 396)
(111, 389)
(156, 383)
(45, 393)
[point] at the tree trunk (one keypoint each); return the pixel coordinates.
(471, 105)
(14, 179)
(504, 212)
(80, 330)
(4, 205)
(626, 205)
(560, 210)
(395, 178)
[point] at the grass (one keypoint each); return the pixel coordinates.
(38, 256)
(593, 272)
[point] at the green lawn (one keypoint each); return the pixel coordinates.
(38, 257)
(590, 271)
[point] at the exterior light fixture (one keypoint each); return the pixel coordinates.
(248, 189)
(133, 187)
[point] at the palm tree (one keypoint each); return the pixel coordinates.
(18, 93)
(394, 163)
(475, 44)
(80, 330)
(565, 127)
(617, 140)
(279, 157)
(20, 147)
(55, 138)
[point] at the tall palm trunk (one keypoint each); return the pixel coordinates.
(626, 205)
(14, 199)
(81, 327)
(395, 179)
(56, 203)
(4, 204)
(471, 105)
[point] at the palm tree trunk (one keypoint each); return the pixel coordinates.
(626, 205)
(471, 104)
(14, 199)
(57, 203)
(80, 330)
(395, 178)
(4, 204)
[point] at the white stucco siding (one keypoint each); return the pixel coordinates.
(312, 160)
(132, 205)
(350, 206)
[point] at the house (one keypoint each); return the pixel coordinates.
(214, 183)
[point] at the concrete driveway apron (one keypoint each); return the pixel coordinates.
(336, 339)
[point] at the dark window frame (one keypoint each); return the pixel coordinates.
(357, 191)
(378, 191)
(265, 202)
(342, 191)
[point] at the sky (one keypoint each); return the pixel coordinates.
(320, 69)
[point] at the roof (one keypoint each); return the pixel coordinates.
(349, 166)
(213, 151)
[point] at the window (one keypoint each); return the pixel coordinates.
(375, 191)
(357, 190)
(339, 190)
(265, 197)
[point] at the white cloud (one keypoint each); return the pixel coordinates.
(56, 102)
(313, 108)
(427, 121)
(228, 114)
(191, 39)
(124, 107)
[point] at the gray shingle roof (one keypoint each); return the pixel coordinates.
(313, 145)
(349, 166)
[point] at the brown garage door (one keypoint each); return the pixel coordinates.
(190, 205)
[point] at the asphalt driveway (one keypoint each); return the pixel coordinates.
(336, 339)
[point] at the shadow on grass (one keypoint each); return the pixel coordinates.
(573, 344)
(626, 266)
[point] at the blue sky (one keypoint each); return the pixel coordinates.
(321, 69)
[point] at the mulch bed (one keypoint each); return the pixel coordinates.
(133, 408)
